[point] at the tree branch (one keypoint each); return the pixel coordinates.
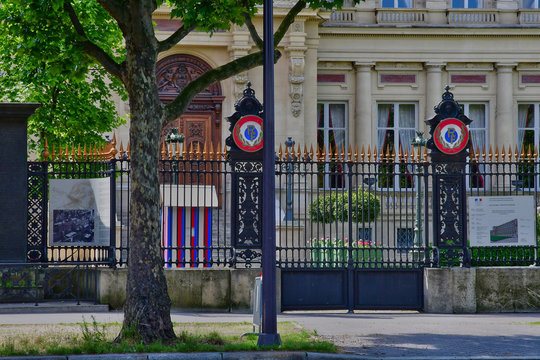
(287, 21)
(253, 32)
(175, 38)
(117, 9)
(92, 49)
(180, 104)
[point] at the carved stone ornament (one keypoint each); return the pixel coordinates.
(296, 82)
(240, 82)
(175, 72)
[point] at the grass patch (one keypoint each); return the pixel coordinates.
(98, 338)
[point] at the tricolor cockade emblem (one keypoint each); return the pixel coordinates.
(451, 136)
(248, 133)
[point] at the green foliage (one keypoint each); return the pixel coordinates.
(95, 338)
(335, 253)
(502, 256)
(42, 61)
(210, 15)
(365, 207)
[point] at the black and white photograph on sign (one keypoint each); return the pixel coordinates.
(73, 226)
(79, 212)
(502, 220)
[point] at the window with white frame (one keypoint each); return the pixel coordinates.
(396, 3)
(477, 112)
(529, 4)
(528, 135)
(466, 4)
(331, 138)
(396, 125)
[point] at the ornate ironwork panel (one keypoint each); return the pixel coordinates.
(246, 200)
(36, 250)
(450, 223)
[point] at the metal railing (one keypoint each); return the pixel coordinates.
(333, 208)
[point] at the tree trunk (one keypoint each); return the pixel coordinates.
(147, 308)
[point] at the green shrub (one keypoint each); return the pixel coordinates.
(365, 207)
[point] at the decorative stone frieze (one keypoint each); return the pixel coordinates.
(296, 81)
(297, 52)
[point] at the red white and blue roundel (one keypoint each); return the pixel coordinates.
(248, 133)
(451, 136)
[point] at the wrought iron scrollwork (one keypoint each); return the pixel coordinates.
(37, 212)
(246, 204)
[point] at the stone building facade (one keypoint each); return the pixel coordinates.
(371, 74)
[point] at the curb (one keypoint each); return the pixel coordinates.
(53, 307)
(262, 355)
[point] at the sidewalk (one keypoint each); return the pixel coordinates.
(363, 335)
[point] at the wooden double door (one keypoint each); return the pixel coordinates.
(198, 130)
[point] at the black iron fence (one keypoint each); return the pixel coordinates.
(333, 210)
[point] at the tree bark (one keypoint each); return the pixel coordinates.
(147, 308)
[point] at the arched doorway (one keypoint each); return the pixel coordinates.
(201, 123)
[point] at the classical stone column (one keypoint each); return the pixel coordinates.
(363, 121)
(310, 95)
(434, 89)
(504, 117)
(238, 48)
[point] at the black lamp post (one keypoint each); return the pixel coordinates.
(173, 137)
(269, 336)
(418, 142)
(290, 167)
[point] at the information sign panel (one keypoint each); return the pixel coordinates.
(502, 220)
(79, 212)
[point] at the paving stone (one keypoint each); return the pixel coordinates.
(264, 355)
(40, 357)
(185, 356)
(109, 357)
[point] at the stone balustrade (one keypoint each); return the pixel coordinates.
(452, 17)
(472, 17)
(401, 16)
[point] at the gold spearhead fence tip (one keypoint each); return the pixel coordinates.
(211, 151)
(45, 153)
(218, 152)
(163, 151)
(280, 152)
(205, 152)
(191, 152)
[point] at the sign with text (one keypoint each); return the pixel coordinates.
(502, 220)
(79, 212)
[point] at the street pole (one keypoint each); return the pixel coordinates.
(269, 336)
